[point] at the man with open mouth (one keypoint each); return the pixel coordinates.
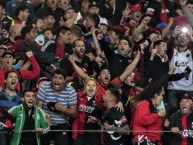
(181, 122)
(29, 118)
(9, 60)
(9, 97)
(59, 100)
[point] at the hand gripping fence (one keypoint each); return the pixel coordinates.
(131, 131)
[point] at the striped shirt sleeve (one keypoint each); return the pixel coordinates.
(72, 98)
(41, 93)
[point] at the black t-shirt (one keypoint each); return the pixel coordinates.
(118, 119)
(92, 110)
(29, 124)
(86, 64)
(6, 23)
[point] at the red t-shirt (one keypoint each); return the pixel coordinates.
(59, 51)
(101, 89)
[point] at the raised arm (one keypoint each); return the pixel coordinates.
(28, 75)
(170, 43)
(167, 28)
(138, 31)
(77, 68)
(186, 11)
(97, 47)
(130, 68)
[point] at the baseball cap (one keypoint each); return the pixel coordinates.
(42, 79)
(161, 25)
(186, 96)
(93, 4)
(134, 8)
(3, 47)
(8, 52)
(119, 29)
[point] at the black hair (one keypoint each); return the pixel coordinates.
(115, 93)
(62, 29)
(44, 12)
(142, 83)
(95, 18)
(60, 72)
(117, 32)
(76, 41)
(35, 20)
(103, 67)
(149, 92)
(10, 71)
(50, 29)
(3, 4)
(158, 42)
(177, 6)
(20, 8)
(153, 31)
(127, 39)
(189, 2)
(27, 90)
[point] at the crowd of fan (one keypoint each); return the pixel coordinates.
(121, 65)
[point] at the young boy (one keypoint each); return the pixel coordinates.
(28, 118)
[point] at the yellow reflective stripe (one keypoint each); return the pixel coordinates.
(128, 100)
(70, 83)
(12, 21)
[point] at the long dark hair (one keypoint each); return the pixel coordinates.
(149, 92)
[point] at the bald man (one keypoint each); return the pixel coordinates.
(14, 31)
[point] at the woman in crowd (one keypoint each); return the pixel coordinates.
(148, 119)
(89, 115)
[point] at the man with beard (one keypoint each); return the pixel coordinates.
(59, 100)
(181, 58)
(28, 118)
(80, 59)
(121, 59)
(9, 60)
(38, 24)
(182, 121)
(114, 122)
(9, 97)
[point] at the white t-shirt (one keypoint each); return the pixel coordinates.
(181, 60)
